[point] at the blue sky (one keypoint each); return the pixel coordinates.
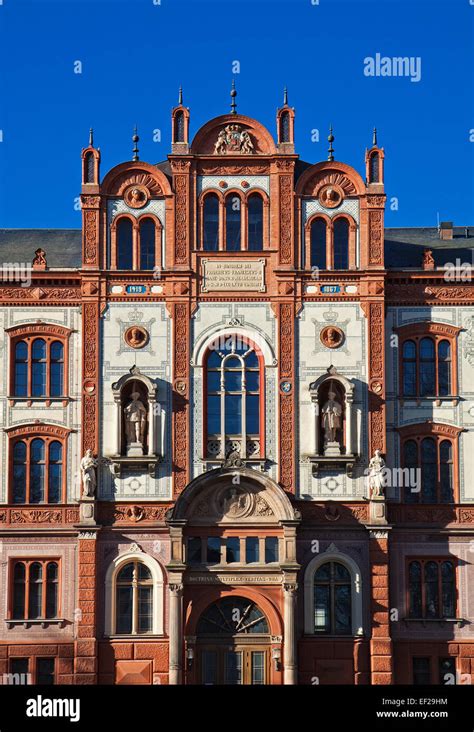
(135, 54)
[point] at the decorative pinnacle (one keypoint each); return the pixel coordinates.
(135, 140)
(180, 96)
(91, 137)
(285, 97)
(233, 94)
(331, 149)
(374, 139)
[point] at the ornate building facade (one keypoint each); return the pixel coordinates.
(237, 427)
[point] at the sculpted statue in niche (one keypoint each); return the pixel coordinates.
(135, 414)
(331, 422)
(88, 472)
(377, 475)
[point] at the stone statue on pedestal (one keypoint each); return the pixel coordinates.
(89, 477)
(331, 419)
(135, 424)
(376, 475)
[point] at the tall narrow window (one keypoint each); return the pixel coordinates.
(52, 579)
(374, 168)
(409, 368)
(179, 122)
(444, 368)
(318, 244)
(56, 373)
(428, 470)
(255, 222)
(415, 590)
(90, 167)
(19, 472)
(410, 462)
(285, 127)
(124, 244)
(55, 477)
(446, 471)
(332, 599)
(233, 220)
(427, 367)
(37, 471)
(233, 399)
(45, 671)
(211, 223)
(147, 244)
(341, 244)
(19, 591)
(134, 600)
(21, 369)
(35, 590)
(38, 372)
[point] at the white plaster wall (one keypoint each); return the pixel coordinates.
(313, 359)
(154, 360)
(460, 414)
(68, 416)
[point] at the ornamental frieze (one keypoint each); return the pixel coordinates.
(40, 293)
(132, 513)
(39, 515)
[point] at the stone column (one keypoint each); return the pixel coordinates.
(85, 645)
(381, 651)
(349, 446)
(290, 671)
(175, 634)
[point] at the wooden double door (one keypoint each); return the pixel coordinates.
(232, 665)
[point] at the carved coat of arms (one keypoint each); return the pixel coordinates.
(233, 139)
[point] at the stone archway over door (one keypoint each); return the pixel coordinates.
(233, 644)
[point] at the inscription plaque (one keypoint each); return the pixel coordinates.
(224, 275)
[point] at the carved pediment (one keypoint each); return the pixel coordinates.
(232, 503)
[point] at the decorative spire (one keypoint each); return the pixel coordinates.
(331, 149)
(91, 137)
(374, 139)
(233, 103)
(180, 96)
(135, 140)
(285, 97)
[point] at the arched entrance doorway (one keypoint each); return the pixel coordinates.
(233, 643)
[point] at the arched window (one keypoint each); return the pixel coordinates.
(431, 589)
(147, 244)
(124, 244)
(429, 464)
(234, 392)
(255, 222)
(428, 360)
(332, 599)
(39, 364)
(35, 590)
(38, 474)
(179, 122)
(89, 167)
(285, 127)
(233, 221)
(341, 244)
(318, 244)
(211, 223)
(134, 600)
(232, 616)
(374, 176)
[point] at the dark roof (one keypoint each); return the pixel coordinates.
(403, 247)
(63, 247)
